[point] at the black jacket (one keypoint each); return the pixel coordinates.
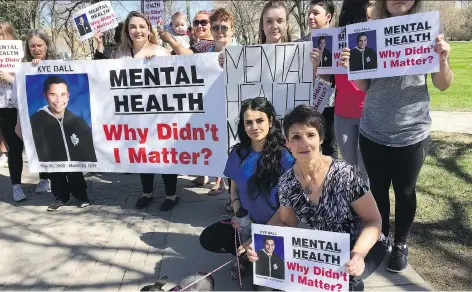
(66, 140)
(326, 58)
(84, 29)
(270, 266)
(362, 60)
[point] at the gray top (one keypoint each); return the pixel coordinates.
(396, 111)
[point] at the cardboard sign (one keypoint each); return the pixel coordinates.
(294, 259)
(154, 9)
(97, 17)
(11, 54)
(282, 73)
(322, 91)
(396, 46)
(129, 115)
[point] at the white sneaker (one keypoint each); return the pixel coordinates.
(43, 186)
(18, 194)
(3, 160)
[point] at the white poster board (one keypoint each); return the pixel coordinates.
(154, 9)
(11, 54)
(395, 46)
(330, 42)
(282, 73)
(97, 17)
(322, 91)
(129, 115)
(301, 259)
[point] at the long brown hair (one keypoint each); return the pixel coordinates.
(380, 9)
(126, 41)
(9, 32)
(270, 5)
(51, 51)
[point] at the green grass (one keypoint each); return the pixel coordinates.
(441, 238)
(458, 97)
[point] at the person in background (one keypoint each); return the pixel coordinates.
(350, 99)
(8, 119)
(273, 23)
(179, 29)
(395, 131)
(107, 53)
(138, 40)
(254, 167)
(327, 194)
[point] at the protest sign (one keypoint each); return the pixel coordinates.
(322, 91)
(11, 53)
(164, 115)
(330, 42)
(154, 10)
(282, 73)
(394, 46)
(96, 17)
(301, 259)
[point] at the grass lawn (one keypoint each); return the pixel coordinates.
(458, 97)
(441, 238)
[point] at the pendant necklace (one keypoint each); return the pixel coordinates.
(307, 189)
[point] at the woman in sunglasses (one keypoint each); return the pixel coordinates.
(202, 39)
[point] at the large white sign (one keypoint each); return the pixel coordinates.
(300, 259)
(283, 73)
(154, 9)
(11, 54)
(164, 115)
(96, 17)
(396, 46)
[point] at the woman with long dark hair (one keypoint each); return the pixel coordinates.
(254, 167)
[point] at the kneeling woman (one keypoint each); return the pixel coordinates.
(328, 194)
(254, 167)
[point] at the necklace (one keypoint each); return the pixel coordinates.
(307, 189)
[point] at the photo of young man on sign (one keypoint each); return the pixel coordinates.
(83, 24)
(270, 250)
(325, 45)
(364, 54)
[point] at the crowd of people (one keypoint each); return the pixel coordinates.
(283, 173)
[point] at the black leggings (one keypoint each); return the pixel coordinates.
(8, 118)
(329, 146)
(170, 183)
(399, 166)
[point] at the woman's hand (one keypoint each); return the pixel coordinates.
(150, 56)
(98, 37)
(221, 58)
(315, 57)
(244, 247)
(7, 77)
(36, 61)
(344, 59)
(252, 255)
(356, 266)
(442, 48)
(165, 36)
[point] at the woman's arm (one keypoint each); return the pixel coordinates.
(234, 196)
(362, 84)
(284, 216)
(443, 79)
(7, 77)
(176, 47)
(366, 209)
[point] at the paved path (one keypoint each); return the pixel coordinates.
(456, 122)
(112, 246)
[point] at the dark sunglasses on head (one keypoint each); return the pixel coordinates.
(203, 22)
(222, 28)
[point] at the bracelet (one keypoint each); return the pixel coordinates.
(232, 201)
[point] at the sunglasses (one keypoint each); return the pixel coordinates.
(202, 22)
(222, 28)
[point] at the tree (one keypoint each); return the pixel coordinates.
(23, 14)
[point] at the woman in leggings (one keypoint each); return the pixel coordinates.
(395, 134)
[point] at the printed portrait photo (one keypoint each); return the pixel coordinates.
(325, 45)
(270, 250)
(59, 111)
(363, 47)
(83, 24)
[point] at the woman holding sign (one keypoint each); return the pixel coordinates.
(395, 134)
(254, 167)
(138, 40)
(8, 119)
(327, 194)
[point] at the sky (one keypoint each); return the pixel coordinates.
(126, 6)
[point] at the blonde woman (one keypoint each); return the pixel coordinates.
(395, 132)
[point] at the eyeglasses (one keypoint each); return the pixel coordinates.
(202, 22)
(222, 28)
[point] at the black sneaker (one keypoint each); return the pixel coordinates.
(356, 285)
(169, 204)
(56, 204)
(83, 204)
(143, 202)
(398, 261)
